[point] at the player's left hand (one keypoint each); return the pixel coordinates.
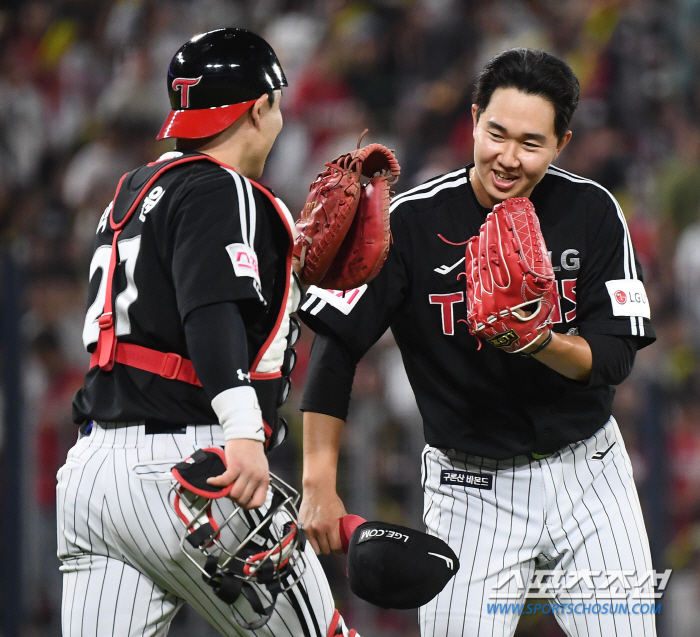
(321, 509)
(511, 288)
(248, 470)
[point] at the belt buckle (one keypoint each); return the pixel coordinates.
(85, 429)
(175, 364)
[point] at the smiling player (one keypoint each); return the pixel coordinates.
(525, 467)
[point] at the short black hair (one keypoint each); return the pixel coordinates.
(535, 73)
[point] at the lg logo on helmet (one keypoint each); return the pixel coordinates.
(183, 84)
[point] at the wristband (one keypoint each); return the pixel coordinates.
(546, 342)
(239, 413)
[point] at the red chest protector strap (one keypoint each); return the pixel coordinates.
(108, 351)
(168, 365)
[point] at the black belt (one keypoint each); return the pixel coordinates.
(153, 426)
(490, 463)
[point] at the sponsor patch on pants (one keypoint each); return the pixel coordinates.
(466, 479)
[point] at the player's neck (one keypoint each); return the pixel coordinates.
(235, 147)
(479, 191)
(235, 158)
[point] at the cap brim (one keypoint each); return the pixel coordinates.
(202, 122)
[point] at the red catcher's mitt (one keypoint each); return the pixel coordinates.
(510, 281)
(343, 233)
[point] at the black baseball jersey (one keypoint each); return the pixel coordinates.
(476, 398)
(202, 234)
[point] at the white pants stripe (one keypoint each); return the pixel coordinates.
(118, 537)
(571, 511)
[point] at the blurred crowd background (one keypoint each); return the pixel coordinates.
(83, 94)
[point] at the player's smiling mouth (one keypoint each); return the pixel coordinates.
(503, 181)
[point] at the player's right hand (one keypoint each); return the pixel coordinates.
(320, 511)
(247, 469)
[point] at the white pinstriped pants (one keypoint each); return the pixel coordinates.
(123, 571)
(567, 512)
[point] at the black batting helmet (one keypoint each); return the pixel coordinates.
(216, 77)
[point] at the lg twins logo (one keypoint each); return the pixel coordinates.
(447, 303)
(183, 84)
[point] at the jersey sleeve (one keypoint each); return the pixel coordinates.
(359, 317)
(611, 298)
(329, 378)
(213, 242)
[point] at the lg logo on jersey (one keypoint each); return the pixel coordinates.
(569, 260)
(628, 298)
(638, 297)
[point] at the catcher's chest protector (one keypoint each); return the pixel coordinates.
(168, 365)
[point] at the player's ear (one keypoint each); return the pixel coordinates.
(563, 142)
(257, 110)
(475, 117)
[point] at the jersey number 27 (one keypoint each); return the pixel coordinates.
(99, 266)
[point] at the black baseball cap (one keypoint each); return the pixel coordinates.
(394, 566)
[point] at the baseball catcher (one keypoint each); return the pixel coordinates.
(343, 232)
(190, 330)
(510, 281)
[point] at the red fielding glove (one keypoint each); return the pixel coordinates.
(343, 232)
(511, 287)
